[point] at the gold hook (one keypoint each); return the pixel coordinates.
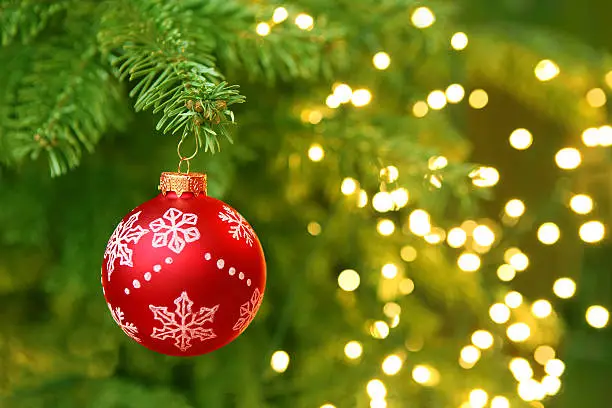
(183, 158)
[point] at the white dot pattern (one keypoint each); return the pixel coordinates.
(157, 268)
(220, 263)
(207, 256)
(127, 291)
(136, 283)
(168, 260)
(147, 276)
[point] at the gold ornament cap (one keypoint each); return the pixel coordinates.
(180, 183)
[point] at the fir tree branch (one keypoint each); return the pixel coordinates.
(175, 76)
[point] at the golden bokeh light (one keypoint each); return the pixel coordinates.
(361, 97)
(389, 271)
(349, 280)
(518, 332)
(419, 222)
(592, 231)
(459, 41)
(436, 100)
(385, 227)
(376, 389)
(456, 237)
(520, 139)
(400, 197)
(406, 286)
(483, 235)
(548, 233)
(349, 186)
(279, 361)
(541, 308)
(506, 273)
(596, 97)
(551, 384)
(422, 17)
(314, 228)
(381, 60)
(513, 299)
(581, 204)
(379, 329)
(454, 93)
(353, 350)
(468, 262)
(515, 208)
(408, 253)
(564, 288)
(554, 367)
(262, 29)
(519, 261)
(280, 14)
(343, 93)
(500, 402)
(304, 21)
(316, 152)
(597, 316)
(392, 364)
(543, 354)
(478, 398)
(546, 70)
(382, 202)
(499, 313)
(484, 176)
(482, 339)
(478, 99)
(470, 355)
(420, 109)
(568, 158)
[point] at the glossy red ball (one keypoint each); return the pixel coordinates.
(184, 275)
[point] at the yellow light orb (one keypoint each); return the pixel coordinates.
(590, 137)
(596, 97)
(608, 79)
(454, 93)
(541, 308)
(459, 41)
(422, 17)
(597, 316)
(392, 309)
(521, 369)
(385, 227)
(500, 402)
(379, 329)
(420, 109)
(530, 390)
(316, 152)
(349, 280)
(400, 197)
(513, 299)
(408, 253)
(363, 199)
(376, 389)
(468, 262)
(604, 136)
(514, 208)
(581, 204)
(520, 139)
(510, 252)
(304, 21)
(343, 93)
(382, 202)
(328, 406)
(314, 228)
(554, 367)
(456, 237)
(435, 236)
(315, 117)
(332, 101)
(378, 403)
(361, 97)
(437, 163)
(518, 332)
(478, 99)
(470, 354)
(564, 288)
(551, 384)
(419, 222)
(389, 174)
(262, 29)
(406, 286)
(546, 70)
(421, 374)
(280, 14)
(548, 233)
(483, 235)
(519, 261)
(506, 273)
(392, 364)
(436, 100)
(353, 350)
(349, 186)
(543, 354)
(568, 158)
(482, 339)
(389, 271)
(499, 313)
(592, 231)
(484, 176)
(478, 398)
(279, 361)
(381, 60)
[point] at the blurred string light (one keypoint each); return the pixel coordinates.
(363, 199)
(328, 406)
(378, 403)
(500, 402)
(379, 329)
(349, 280)
(419, 222)
(332, 101)
(520, 139)
(385, 227)
(262, 29)
(604, 136)
(531, 390)
(581, 204)
(554, 367)
(456, 237)
(392, 364)
(454, 93)
(551, 384)
(376, 389)
(470, 355)
(382, 202)
(304, 21)
(389, 173)
(279, 361)
(435, 236)
(543, 354)
(484, 176)
(548, 233)
(422, 17)
(541, 308)
(546, 70)
(392, 309)
(590, 137)
(316, 152)
(420, 109)
(408, 253)
(518, 332)
(437, 163)
(348, 186)
(519, 261)
(436, 100)
(506, 273)
(568, 158)
(389, 271)
(564, 288)
(459, 41)
(597, 316)
(400, 197)
(478, 398)
(468, 262)
(592, 231)
(425, 375)
(314, 228)
(513, 299)
(596, 97)
(406, 286)
(482, 339)
(478, 99)
(499, 313)
(515, 208)
(361, 97)
(381, 60)
(280, 14)
(343, 93)
(353, 350)
(520, 369)
(510, 252)
(483, 235)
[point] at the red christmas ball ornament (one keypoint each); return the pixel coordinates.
(183, 274)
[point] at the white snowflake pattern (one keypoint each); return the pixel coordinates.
(189, 325)
(177, 233)
(118, 243)
(129, 328)
(239, 228)
(248, 311)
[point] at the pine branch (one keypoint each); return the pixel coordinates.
(175, 76)
(26, 18)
